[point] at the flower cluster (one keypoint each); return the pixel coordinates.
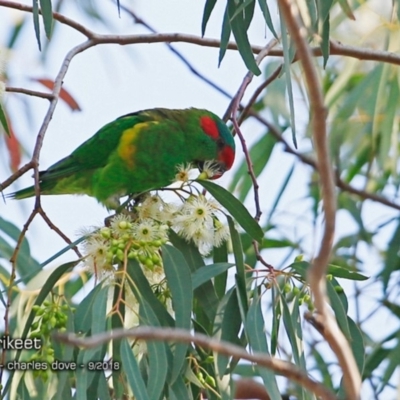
(140, 236)
(140, 240)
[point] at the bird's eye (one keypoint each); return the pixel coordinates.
(220, 143)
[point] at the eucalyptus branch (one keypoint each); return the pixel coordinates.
(317, 271)
(284, 368)
(29, 92)
(344, 186)
(185, 61)
(257, 92)
(336, 48)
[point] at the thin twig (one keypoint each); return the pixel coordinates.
(58, 231)
(193, 70)
(317, 271)
(284, 368)
(29, 92)
(257, 92)
(336, 48)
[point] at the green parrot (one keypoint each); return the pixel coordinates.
(139, 152)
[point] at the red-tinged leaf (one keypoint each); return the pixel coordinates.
(64, 94)
(14, 148)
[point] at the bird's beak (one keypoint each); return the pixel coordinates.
(218, 168)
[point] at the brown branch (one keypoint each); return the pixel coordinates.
(311, 162)
(58, 231)
(57, 16)
(336, 48)
(257, 92)
(284, 368)
(317, 271)
(16, 175)
(29, 92)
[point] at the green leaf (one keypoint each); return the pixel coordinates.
(208, 8)
(339, 310)
(238, 211)
(237, 252)
(239, 30)
(325, 42)
(225, 35)
(141, 288)
(221, 256)
(357, 344)
(347, 9)
(292, 324)
(132, 372)
(340, 272)
(392, 260)
(47, 14)
(267, 16)
(3, 120)
(156, 353)
(179, 281)
(208, 272)
(254, 325)
(287, 57)
(226, 327)
(205, 294)
(83, 313)
(276, 319)
(35, 14)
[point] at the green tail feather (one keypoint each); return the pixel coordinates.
(23, 193)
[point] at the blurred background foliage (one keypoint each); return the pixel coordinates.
(232, 295)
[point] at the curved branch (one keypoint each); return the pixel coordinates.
(317, 271)
(167, 334)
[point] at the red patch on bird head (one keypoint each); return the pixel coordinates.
(210, 127)
(227, 156)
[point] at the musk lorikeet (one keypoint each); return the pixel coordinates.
(139, 152)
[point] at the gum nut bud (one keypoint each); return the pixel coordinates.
(135, 245)
(65, 307)
(123, 225)
(35, 325)
(142, 258)
(105, 233)
(35, 308)
(299, 258)
(50, 351)
(287, 288)
(157, 243)
(120, 255)
(53, 321)
(338, 289)
(122, 246)
(156, 259)
(329, 277)
(132, 255)
(115, 242)
(149, 263)
(62, 329)
(203, 175)
(125, 237)
(307, 298)
(46, 303)
(295, 290)
(109, 256)
(301, 301)
(210, 380)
